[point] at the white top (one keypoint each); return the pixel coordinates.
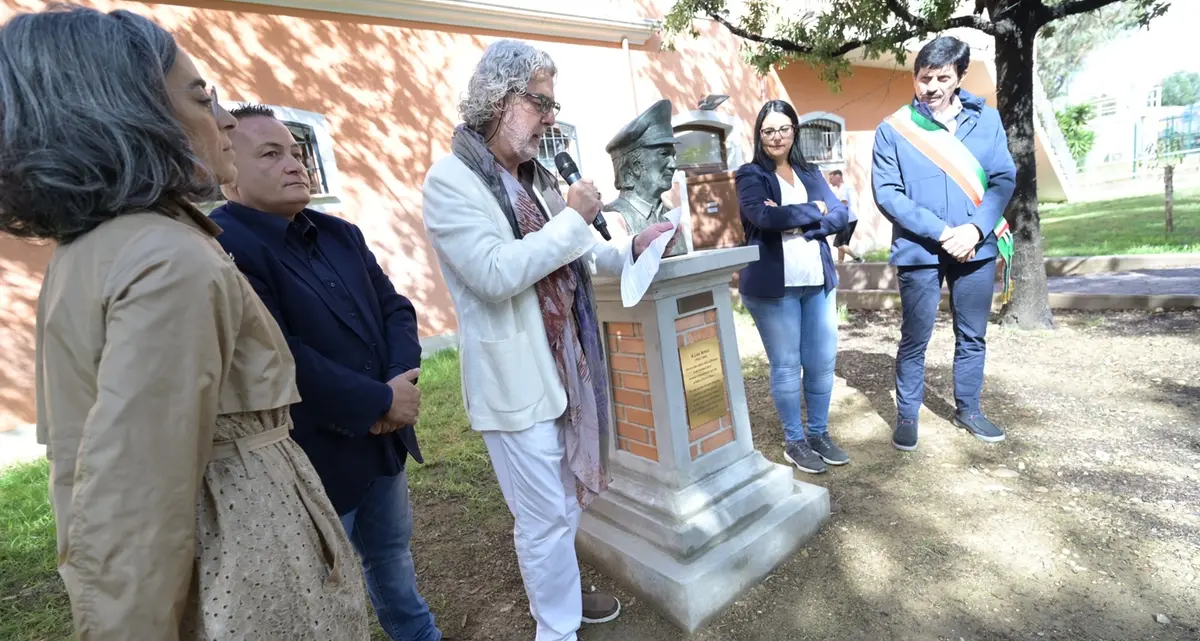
(801, 257)
(509, 377)
(843, 192)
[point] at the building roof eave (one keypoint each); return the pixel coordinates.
(486, 15)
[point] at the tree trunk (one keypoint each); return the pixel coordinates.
(1029, 307)
(1169, 183)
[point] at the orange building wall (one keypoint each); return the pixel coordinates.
(389, 90)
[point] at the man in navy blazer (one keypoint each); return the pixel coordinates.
(354, 340)
(940, 234)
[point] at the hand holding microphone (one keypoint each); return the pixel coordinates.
(582, 196)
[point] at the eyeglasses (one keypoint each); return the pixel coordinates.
(544, 104)
(784, 131)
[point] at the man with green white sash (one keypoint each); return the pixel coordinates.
(942, 174)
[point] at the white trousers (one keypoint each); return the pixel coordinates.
(531, 466)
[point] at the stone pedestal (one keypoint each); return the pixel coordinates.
(695, 516)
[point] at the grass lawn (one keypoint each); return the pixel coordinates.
(33, 604)
(1113, 227)
(1121, 226)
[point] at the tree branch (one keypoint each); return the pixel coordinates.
(902, 12)
(786, 45)
(1065, 9)
(919, 27)
(972, 20)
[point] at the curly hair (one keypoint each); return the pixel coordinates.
(506, 68)
(86, 128)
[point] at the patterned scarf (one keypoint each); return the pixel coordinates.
(568, 312)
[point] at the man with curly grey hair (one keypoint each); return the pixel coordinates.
(518, 259)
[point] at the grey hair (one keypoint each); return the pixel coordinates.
(506, 68)
(86, 128)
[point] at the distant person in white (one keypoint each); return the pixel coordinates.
(517, 260)
(837, 183)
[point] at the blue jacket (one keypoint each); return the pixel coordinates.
(764, 225)
(345, 347)
(920, 200)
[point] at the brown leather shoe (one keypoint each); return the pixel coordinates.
(600, 608)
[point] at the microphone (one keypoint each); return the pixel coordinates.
(570, 173)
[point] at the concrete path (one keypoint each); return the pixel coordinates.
(1158, 282)
(19, 445)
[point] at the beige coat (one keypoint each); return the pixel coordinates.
(150, 347)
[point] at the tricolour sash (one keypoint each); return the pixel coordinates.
(949, 153)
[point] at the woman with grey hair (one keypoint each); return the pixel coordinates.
(183, 509)
(517, 258)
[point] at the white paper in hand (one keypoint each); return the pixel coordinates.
(637, 276)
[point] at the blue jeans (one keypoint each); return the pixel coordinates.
(971, 288)
(799, 332)
(380, 528)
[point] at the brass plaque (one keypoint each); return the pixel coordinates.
(703, 381)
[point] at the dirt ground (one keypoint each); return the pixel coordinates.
(1083, 525)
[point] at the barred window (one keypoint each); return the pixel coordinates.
(307, 139)
(558, 138)
(821, 140)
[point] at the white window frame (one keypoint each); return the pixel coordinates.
(841, 123)
(575, 152)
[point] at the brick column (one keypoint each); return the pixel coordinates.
(632, 407)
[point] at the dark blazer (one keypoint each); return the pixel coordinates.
(764, 225)
(344, 356)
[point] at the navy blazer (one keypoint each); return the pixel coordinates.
(343, 362)
(764, 225)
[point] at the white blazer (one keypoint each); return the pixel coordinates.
(509, 378)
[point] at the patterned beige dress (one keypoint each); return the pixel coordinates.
(183, 508)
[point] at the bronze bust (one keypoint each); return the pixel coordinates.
(643, 155)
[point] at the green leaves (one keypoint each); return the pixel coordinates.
(1073, 121)
(778, 31)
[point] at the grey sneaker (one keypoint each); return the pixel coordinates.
(801, 454)
(600, 608)
(979, 427)
(904, 437)
(828, 450)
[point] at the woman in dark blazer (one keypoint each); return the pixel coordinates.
(787, 211)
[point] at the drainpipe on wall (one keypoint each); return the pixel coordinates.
(632, 78)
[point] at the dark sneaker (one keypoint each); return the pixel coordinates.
(600, 608)
(904, 437)
(979, 427)
(800, 454)
(828, 450)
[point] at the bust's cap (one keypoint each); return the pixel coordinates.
(652, 127)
